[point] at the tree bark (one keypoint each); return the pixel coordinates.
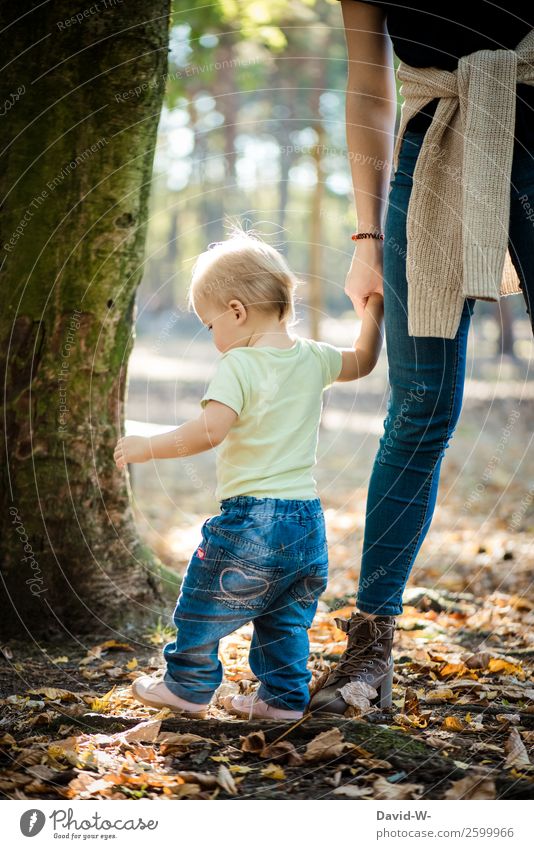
(79, 141)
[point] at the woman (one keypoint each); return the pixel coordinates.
(468, 88)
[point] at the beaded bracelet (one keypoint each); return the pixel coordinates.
(356, 236)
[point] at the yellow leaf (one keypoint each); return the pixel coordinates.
(443, 694)
(273, 771)
(499, 664)
(54, 693)
(455, 723)
(132, 664)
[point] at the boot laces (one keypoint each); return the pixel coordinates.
(363, 648)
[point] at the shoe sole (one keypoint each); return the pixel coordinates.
(241, 714)
(383, 698)
(201, 714)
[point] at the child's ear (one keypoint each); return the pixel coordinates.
(239, 310)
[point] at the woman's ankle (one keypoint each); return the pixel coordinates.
(367, 615)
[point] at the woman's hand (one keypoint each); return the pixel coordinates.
(131, 449)
(365, 273)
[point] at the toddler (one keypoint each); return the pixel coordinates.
(264, 558)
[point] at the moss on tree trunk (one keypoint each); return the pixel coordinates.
(79, 138)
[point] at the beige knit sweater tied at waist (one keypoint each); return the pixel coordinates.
(458, 214)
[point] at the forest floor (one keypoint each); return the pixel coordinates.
(462, 721)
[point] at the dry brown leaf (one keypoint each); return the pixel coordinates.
(479, 660)
(476, 785)
(515, 750)
(441, 694)
(412, 721)
(384, 789)
(145, 732)
(171, 741)
(358, 695)
(411, 702)
(109, 644)
(283, 751)
(511, 718)
(203, 778)
(253, 743)
(326, 746)
(351, 791)
(54, 693)
(225, 780)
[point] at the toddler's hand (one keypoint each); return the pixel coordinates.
(131, 449)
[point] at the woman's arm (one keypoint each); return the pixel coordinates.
(362, 358)
(193, 437)
(370, 116)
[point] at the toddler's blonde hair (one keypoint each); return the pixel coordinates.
(248, 269)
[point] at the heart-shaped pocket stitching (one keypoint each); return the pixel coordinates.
(261, 585)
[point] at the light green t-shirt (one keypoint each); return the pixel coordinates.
(270, 451)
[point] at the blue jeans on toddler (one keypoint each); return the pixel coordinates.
(263, 560)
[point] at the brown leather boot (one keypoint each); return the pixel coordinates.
(367, 658)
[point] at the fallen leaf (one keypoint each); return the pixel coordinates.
(54, 693)
(506, 667)
(283, 751)
(411, 702)
(473, 786)
(204, 779)
(358, 695)
(515, 751)
(274, 771)
(225, 780)
(326, 746)
(479, 660)
(412, 721)
(457, 723)
(171, 741)
(441, 694)
(351, 791)
(511, 718)
(145, 732)
(254, 742)
(384, 789)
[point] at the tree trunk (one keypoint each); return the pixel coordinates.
(79, 142)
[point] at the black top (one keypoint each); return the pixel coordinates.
(429, 33)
